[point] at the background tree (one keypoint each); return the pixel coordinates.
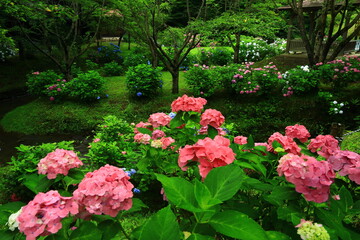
(328, 27)
(257, 20)
(62, 30)
(147, 21)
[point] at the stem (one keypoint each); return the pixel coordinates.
(123, 231)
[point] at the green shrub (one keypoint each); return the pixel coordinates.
(135, 58)
(199, 81)
(87, 86)
(106, 54)
(112, 69)
(143, 80)
(90, 65)
(220, 56)
(38, 82)
(223, 75)
(113, 129)
(301, 79)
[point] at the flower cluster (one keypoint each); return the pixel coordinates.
(142, 138)
(210, 153)
(310, 177)
(105, 191)
(347, 163)
(312, 231)
(297, 131)
(241, 140)
(187, 104)
(58, 162)
(286, 142)
(212, 117)
(42, 216)
(159, 119)
(336, 108)
(324, 145)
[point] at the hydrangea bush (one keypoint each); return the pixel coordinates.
(216, 185)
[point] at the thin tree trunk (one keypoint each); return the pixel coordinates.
(175, 80)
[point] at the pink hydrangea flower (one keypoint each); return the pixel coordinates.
(58, 162)
(166, 142)
(187, 104)
(157, 134)
(324, 145)
(286, 142)
(297, 131)
(241, 140)
(159, 119)
(209, 153)
(312, 178)
(105, 191)
(212, 117)
(96, 140)
(142, 138)
(42, 216)
(347, 163)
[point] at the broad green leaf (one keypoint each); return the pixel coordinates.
(161, 226)
(333, 222)
(212, 132)
(11, 206)
(290, 214)
(203, 196)
(37, 183)
(244, 165)
(273, 235)
(280, 194)
(137, 205)
(237, 225)
(252, 183)
(109, 229)
(145, 131)
(346, 199)
(179, 192)
(7, 235)
(177, 121)
(224, 182)
(63, 233)
(196, 236)
(86, 231)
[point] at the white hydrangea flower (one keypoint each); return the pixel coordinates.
(334, 102)
(12, 221)
(341, 104)
(341, 112)
(312, 231)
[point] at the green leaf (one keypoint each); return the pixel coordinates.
(177, 121)
(280, 194)
(224, 182)
(273, 235)
(37, 183)
(290, 214)
(86, 231)
(196, 236)
(11, 206)
(332, 221)
(203, 196)
(7, 235)
(109, 229)
(145, 131)
(252, 183)
(179, 192)
(237, 225)
(212, 132)
(137, 205)
(161, 226)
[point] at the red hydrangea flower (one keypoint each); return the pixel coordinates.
(42, 216)
(58, 162)
(157, 134)
(105, 191)
(187, 104)
(241, 140)
(286, 142)
(212, 117)
(209, 153)
(159, 119)
(142, 138)
(324, 145)
(166, 141)
(297, 131)
(347, 163)
(310, 177)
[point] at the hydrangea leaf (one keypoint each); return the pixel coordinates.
(273, 235)
(224, 182)
(161, 226)
(145, 131)
(203, 196)
(37, 183)
(237, 225)
(196, 236)
(280, 194)
(86, 231)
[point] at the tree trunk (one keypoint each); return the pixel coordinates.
(175, 80)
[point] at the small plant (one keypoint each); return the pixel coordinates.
(90, 65)
(301, 79)
(199, 80)
(112, 69)
(87, 86)
(38, 82)
(143, 80)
